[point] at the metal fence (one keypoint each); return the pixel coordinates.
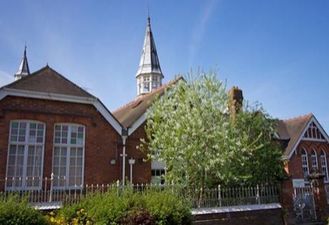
(47, 194)
(304, 205)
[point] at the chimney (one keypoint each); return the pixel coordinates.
(235, 100)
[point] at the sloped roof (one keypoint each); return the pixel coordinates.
(149, 62)
(48, 80)
(48, 84)
(292, 130)
(131, 112)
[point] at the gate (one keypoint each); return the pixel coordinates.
(304, 205)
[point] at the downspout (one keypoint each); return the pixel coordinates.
(124, 137)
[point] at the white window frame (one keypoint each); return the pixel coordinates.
(304, 154)
(68, 154)
(314, 156)
(26, 145)
(313, 133)
(146, 83)
(324, 155)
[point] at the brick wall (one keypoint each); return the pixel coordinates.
(295, 163)
(142, 168)
(101, 140)
(253, 217)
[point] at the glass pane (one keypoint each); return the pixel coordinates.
(22, 125)
(14, 124)
(33, 125)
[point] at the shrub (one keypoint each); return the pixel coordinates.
(14, 211)
(129, 208)
(137, 217)
(168, 209)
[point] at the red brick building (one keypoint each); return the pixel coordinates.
(50, 126)
(306, 148)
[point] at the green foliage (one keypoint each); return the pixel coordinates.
(125, 207)
(167, 209)
(138, 216)
(190, 129)
(259, 154)
(14, 211)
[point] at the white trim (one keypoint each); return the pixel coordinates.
(313, 119)
(107, 115)
(47, 95)
(137, 124)
(313, 139)
(65, 98)
(239, 208)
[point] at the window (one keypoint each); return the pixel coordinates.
(25, 154)
(158, 176)
(155, 82)
(313, 133)
(314, 160)
(324, 167)
(146, 84)
(68, 156)
(305, 163)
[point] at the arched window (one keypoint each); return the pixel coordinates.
(68, 155)
(314, 160)
(324, 166)
(25, 154)
(305, 163)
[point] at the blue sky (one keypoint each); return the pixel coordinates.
(276, 51)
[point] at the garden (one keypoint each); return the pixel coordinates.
(124, 207)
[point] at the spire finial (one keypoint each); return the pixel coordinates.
(23, 69)
(148, 21)
(25, 50)
(148, 14)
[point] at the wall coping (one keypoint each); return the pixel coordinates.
(238, 208)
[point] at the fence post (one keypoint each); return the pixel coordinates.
(51, 187)
(257, 195)
(45, 190)
(219, 196)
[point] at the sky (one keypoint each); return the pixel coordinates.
(276, 51)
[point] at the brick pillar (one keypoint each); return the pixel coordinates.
(320, 197)
(286, 200)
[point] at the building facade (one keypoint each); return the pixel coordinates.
(51, 128)
(305, 148)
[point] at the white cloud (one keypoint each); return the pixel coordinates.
(200, 29)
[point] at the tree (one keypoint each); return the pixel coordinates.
(189, 129)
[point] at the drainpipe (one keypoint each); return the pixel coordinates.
(124, 155)
(131, 163)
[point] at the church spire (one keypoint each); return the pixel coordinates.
(23, 69)
(149, 75)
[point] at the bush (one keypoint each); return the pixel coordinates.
(127, 207)
(138, 216)
(168, 209)
(14, 211)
